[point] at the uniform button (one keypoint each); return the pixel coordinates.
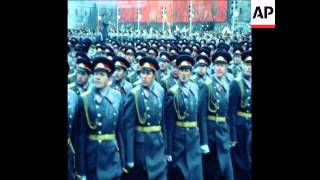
(99, 115)
(218, 101)
(248, 90)
(114, 114)
(145, 100)
(99, 141)
(249, 97)
(99, 123)
(159, 114)
(70, 126)
(247, 110)
(148, 108)
(185, 99)
(142, 94)
(114, 123)
(148, 116)
(70, 116)
(148, 124)
(217, 94)
(187, 129)
(99, 132)
(97, 106)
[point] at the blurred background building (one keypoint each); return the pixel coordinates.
(206, 15)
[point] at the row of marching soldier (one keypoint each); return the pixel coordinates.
(172, 108)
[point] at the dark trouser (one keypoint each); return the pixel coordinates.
(241, 175)
(71, 169)
(71, 175)
(175, 174)
(211, 168)
(135, 173)
(241, 153)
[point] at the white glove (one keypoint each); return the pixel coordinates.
(83, 178)
(204, 149)
(130, 164)
(169, 158)
(233, 143)
(124, 170)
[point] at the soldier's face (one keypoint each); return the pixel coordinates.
(220, 69)
(184, 74)
(237, 57)
(194, 54)
(175, 71)
(202, 69)
(152, 53)
(101, 79)
(211, 53)
(82, 77)
(119, 74)
(134, 65)
(129, 56)
(146, 77)
(164, 65)
(247, 68)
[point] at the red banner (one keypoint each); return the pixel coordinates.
(176, 11)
